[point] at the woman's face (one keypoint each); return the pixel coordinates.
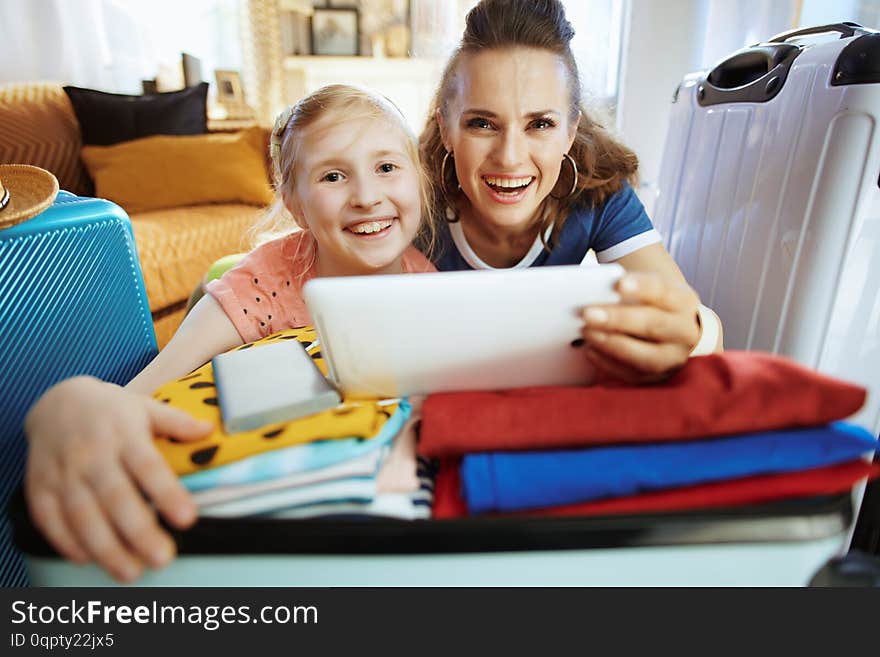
(508, 127)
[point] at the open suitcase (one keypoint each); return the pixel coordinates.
(778, 544)
(769, 199)
(102, 327)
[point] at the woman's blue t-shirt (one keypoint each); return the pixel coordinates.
(614, 229)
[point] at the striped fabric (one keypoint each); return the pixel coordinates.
(263, 58)
(38, 126)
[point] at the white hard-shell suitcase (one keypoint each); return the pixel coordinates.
(769, 199)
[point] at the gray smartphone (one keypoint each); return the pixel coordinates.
(271, 383)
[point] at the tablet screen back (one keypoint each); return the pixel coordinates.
(408, 334)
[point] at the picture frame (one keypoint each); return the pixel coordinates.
(192, 69)
(335, 31)
(229, 89)
(229, 97)
(385, 27)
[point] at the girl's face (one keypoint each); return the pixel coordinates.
(357, 190)
(508, 127)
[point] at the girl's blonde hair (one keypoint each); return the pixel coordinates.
(603, 163)
(334, 102)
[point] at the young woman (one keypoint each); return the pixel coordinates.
(526, 178)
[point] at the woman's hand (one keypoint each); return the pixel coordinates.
(648, 336)
(92, 461)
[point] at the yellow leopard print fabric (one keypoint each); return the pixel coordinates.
(196, 394)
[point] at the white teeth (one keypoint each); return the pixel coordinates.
(370, 227)
(508, 182)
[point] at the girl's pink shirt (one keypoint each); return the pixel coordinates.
(263, 293)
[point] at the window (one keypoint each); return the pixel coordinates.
(598, 24)
(823, 12)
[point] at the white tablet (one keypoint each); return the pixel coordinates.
(410, 334)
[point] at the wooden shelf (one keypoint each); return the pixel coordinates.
(295, 62)
(230, 125)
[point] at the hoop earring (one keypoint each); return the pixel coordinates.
(574, 177)
(448, 156)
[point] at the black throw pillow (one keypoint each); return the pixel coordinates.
(106, 118)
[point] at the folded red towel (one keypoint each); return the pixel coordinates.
(734, 492)
(729, 393)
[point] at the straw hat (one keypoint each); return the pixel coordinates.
(25, 191)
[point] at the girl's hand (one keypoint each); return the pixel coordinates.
(92, 462)
(648, 336)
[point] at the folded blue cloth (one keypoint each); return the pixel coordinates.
(513, 481)
(298, 458)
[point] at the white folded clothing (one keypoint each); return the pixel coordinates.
(404, 506)
(364, 465)
(349, 489)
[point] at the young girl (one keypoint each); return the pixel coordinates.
(347, 173)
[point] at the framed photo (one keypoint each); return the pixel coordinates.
(229, 90)
(192, 69)
(385, 26)
(230, 96)
(336, 31)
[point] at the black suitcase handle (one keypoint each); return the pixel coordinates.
(846, 30)
(748, 65)
(750, 75)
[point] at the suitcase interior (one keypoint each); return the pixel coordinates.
(789, 521)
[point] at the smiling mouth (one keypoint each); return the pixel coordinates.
(371, 227)
(508, 186)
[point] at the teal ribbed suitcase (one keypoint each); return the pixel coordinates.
(72, 301)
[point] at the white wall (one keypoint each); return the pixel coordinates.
(662, 41)
(819, 12)
(666, 39)
(114, 44)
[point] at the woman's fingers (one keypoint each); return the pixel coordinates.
(644, 322)
(649, 288)
(649, 334)
(653, 360)
(608, 368)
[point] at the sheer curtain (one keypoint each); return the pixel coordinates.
(823, 12)
(438, 25)
(114, 44)
(54, 40)
(666, 39)
(733, 25)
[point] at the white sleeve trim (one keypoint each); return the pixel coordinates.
(709, 331)
(628, 246)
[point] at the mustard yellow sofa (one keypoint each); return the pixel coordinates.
(175, 246)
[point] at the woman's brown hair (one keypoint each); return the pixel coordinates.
(604, 164)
